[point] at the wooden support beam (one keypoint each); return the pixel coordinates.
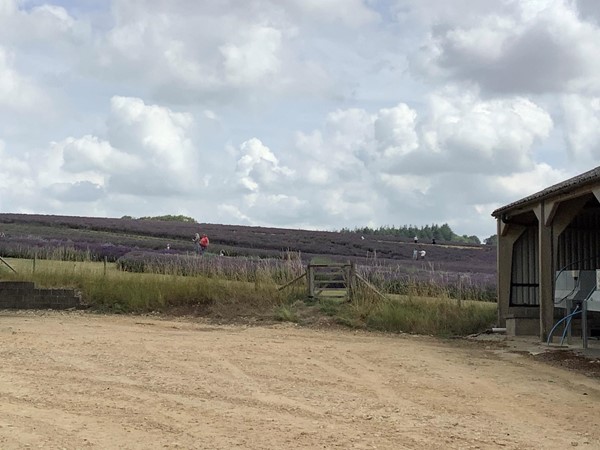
(546, 272)
(292, 282)
(550, 211)
(373, 288)
(562, 219)
(7, 264)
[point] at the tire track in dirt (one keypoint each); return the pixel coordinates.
(76, 381)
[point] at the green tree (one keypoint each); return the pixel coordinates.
(492, 240)
(170, 218)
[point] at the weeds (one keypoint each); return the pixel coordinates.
(105, 288)
(441, 318)
(135, 292)
(286, 313)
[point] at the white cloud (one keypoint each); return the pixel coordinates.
(17, 92)
(514, 48)
(89, 153)
(8, 7)
(80, 191)
(185, 52)
(255, 58)
(582, 125)
(522, 184)
(46, 30)
(146, 152)
(395, 131)
(232, 214)
(158, 137)
(13, 170)
(465, 134)
(258, 169)
(303, 113)
(353, 13)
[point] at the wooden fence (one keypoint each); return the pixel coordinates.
(333, 281)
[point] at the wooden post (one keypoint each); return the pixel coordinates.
(546, 272)
(352, 281)
(311, 281)
(105, 266)
(34, 258)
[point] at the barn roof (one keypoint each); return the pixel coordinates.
(588, 177)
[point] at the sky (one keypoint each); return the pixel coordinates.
(305, 114)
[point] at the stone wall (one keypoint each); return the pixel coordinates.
(24, 295)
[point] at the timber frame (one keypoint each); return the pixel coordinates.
(339, 279)
(541, 234)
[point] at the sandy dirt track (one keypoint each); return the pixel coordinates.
(76, 380)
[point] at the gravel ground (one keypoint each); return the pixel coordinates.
(77, 380)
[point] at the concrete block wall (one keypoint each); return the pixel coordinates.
(24, 295)
(522, 326)
(523, 322)
(526, 322)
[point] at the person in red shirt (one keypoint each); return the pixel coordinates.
(203, 243)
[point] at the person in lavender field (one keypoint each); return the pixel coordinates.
(203, 244)
(196, 240)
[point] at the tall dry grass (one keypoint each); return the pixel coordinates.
(105, 288)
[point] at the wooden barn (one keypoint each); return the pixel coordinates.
(548, 259)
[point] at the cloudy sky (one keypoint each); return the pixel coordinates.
(316, 114)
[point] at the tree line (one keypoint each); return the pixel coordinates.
(166, 218)
(426, 232)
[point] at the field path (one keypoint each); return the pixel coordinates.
(76, 380)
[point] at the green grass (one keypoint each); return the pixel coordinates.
(114, 290)
(441, 318)
(105, 288)
(287, 313)
(409, 314)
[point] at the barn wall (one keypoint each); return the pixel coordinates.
(579, 244)
(524, 290)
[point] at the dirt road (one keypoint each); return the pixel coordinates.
(76, 380)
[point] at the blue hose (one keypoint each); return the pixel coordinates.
(558, 323)
(568, 324)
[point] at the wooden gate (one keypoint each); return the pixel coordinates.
(331, 280)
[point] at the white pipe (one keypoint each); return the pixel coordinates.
(498, 330)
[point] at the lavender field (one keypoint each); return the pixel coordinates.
(244, 253)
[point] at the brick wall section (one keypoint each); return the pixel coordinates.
(24, 295)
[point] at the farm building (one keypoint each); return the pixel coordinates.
(548, 254)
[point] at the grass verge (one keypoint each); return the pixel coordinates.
(106, 289)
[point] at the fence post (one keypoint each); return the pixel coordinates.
(311, 281)
(34, 258)
(352, 281)
(105, 266)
